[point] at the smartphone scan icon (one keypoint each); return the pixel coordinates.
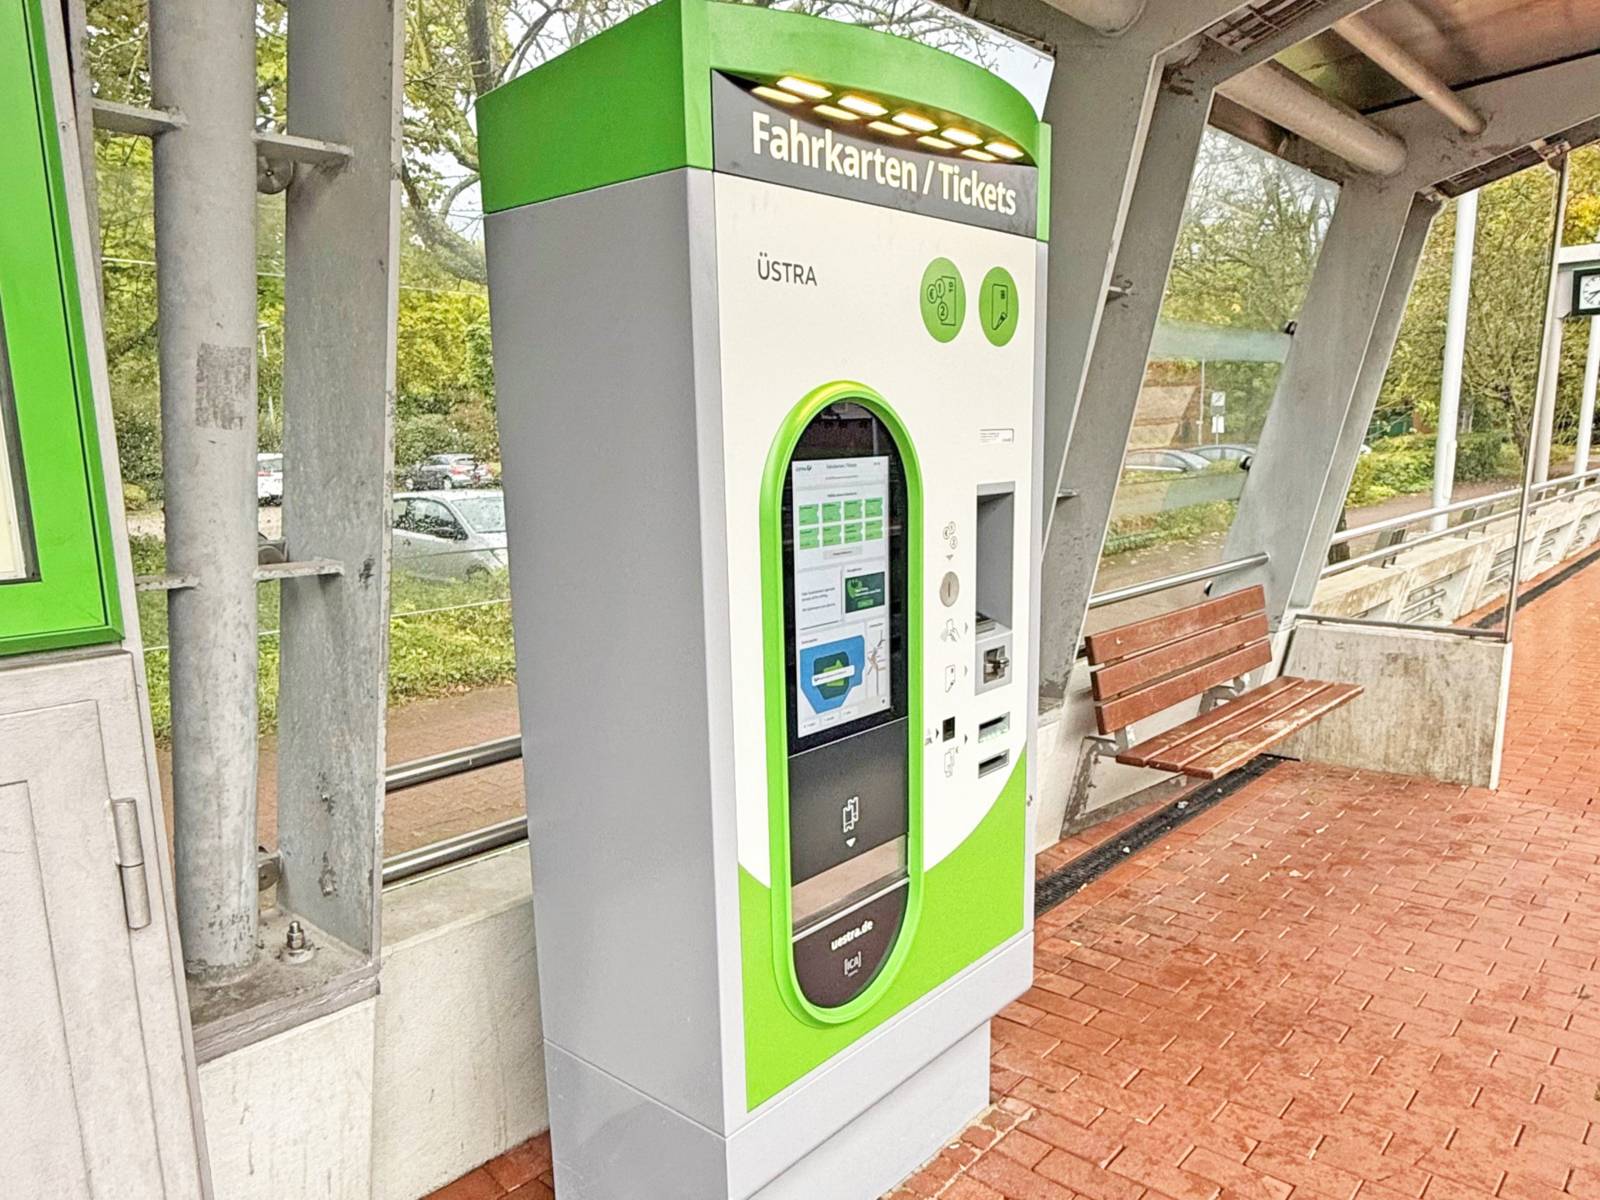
(999, 305)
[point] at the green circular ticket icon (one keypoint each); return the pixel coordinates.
(944, 300)
(997, 306)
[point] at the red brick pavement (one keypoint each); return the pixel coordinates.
(1335, 985)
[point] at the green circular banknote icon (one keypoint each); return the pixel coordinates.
(997, 306)
(944, 299)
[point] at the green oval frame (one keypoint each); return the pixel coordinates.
(777, 697)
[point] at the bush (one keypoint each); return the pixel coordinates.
(1481, 456)
(1403, 466)
(139, 447)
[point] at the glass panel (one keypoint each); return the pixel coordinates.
(1252, 230)
(16, 533)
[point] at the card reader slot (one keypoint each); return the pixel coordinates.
(998, 727)
(990, 765)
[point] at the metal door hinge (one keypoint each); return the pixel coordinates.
(130, 862)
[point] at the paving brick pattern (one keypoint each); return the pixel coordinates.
(1335, 985)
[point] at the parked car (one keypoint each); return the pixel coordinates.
(447, 471)
(269, 479)
(1163, 462)
(1224, 452)
(454, 534)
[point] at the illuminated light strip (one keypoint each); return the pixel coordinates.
(838, 114)
(862, 105)
(1004, 150)
(768, 93)
(915, 122)
(980, 155)
(962, 137)
(891, 130)
(804, 87)
(937, 143)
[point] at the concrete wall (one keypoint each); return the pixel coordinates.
(1434, 703)
(395, 1096)
(1442, 581)
(292, 1115)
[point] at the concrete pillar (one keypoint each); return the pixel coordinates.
(1101, 103)
(202, 60)
(1113, 379)
(1295, 489)
(1455, 350)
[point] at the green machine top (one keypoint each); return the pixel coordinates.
(57, 579)
(637, 100)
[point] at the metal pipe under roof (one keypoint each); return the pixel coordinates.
(1406, 68)
(1275, 92)
(1109, 17)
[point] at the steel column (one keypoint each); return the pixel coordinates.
(1115, 373)
(1544, 407)
(1295, 488)
(340, 301)
(1455, 351)
(203, 64)
(1591, 375)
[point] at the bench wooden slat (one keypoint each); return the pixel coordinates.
(1137, 636)
(1125, 710)
(1244, 725)
(1141, 754)
(1230, 755)
(1136, 670)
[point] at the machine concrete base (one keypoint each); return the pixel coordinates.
(670, 1158)
(870, 1117)
(894, 1137)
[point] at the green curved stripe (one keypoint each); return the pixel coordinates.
(972, 902)
(773, 635)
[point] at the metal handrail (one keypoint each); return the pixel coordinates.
(1435, 535)
(447, 853)
(419, 771)
(1167, 582)
(1426, 514)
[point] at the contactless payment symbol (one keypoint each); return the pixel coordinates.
(944, 300)
(997, 306)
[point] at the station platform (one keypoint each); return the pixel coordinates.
(1332, 985)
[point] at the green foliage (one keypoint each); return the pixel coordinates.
(445, 637)
(1171, 525)
(138, 425)
(1403, 466)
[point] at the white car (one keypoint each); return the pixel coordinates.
(269, 479)
(453, 534)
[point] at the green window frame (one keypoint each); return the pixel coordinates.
(69, 597)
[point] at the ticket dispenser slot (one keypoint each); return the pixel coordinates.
(845, 634)
(992, 592)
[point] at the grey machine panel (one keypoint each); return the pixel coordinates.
(597, 403)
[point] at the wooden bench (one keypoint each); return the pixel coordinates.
(1205, 650)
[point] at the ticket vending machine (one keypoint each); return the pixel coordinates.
(766, 295)
(97, 1083)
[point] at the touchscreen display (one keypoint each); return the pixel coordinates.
(841, 591)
